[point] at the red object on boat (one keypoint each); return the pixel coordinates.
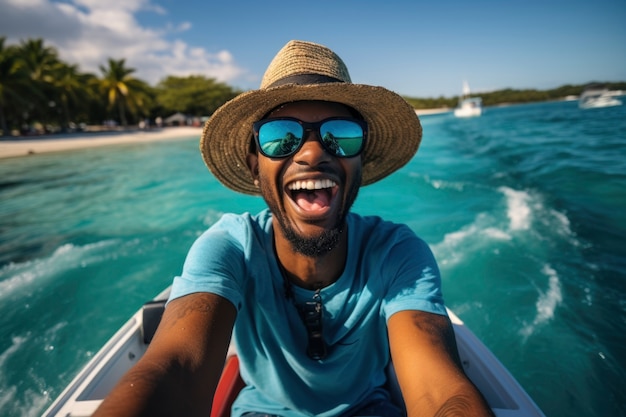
(227, 388)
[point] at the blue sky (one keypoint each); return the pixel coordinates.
(416, 48)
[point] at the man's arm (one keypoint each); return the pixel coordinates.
(179, 373)
(426, 361)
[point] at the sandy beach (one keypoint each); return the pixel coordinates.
(426, 112)
(24, 146)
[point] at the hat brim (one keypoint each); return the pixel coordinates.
(394, 130)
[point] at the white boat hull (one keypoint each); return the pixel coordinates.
(85, 393)
(600, 102)
(467, 112)
(471, 107)
(597, 98)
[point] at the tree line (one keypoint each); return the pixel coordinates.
(38, 89)
(512, 96)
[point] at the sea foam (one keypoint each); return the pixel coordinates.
(518, 208)
(547, 302)
(17, 276)
(458, 245)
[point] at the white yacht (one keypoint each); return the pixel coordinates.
(594, 97)
(468, 106)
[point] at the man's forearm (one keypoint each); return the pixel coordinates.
(155, 389)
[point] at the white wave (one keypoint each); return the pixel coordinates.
(497, 234)
(51, 335)
(560, 223)
(15, 276)
(563, 221)
(16, 343)
(518, 208)
(480, 233)
(524, 209)
(547, 302)
(445, 185)
(31, 405)
(446, 251)
(439, 184)
(529, 212)
(28, 402)
(486, 228)
(9, 393)
(7, 397)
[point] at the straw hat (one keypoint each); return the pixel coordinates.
(308, 71)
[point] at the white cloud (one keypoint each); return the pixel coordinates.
(88, 32)
(182, 27)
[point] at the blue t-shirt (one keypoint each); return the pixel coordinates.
(388, 269)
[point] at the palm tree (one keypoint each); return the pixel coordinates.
(123, 90)
(15, 84)
(39, 62)
(38, 59)
(70, 88)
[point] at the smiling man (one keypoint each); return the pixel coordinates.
(316, 186)
(318, 299)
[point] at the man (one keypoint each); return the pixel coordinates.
(318, 299)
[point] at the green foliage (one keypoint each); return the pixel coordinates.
(195, 95)
(38, 89)
(431, 103)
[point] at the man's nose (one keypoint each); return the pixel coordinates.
(312, 152)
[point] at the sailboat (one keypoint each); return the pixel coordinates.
(468, 106)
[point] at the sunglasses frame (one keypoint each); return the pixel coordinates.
(309, 127)
(312, 313)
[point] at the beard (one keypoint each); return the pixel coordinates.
(311, 246)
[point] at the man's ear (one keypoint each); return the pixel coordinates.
(252, 160)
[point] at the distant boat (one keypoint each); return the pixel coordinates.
(597, 96)
(468, 106)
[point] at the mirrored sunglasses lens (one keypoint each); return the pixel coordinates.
(280, 137)
(342, 137)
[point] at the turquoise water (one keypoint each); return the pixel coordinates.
(523, 207)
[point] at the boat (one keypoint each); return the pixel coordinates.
(468, 106)
(597, 96)
(85, 392)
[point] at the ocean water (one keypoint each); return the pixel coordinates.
(524, 208)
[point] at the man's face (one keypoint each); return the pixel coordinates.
(310, 219)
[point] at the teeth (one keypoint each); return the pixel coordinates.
(311, 185)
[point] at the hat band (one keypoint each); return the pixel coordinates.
(304, 79)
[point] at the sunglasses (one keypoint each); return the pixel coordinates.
(311, 312)
(342, 137)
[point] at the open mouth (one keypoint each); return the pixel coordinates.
(312, 195)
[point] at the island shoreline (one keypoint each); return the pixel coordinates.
(21, 146)
(15, 147)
